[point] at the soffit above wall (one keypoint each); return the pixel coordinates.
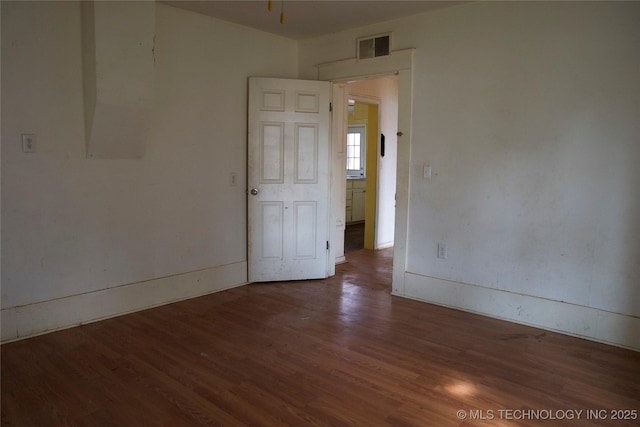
(118, 66)
(309, 18)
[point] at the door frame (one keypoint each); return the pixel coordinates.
(400, 63)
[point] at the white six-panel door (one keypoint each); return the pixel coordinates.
(288, 179)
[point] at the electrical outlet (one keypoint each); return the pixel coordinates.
(442, 251)
(233, 180)
(29, 143)
(426, 172)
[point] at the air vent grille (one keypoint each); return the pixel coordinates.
(374, 46)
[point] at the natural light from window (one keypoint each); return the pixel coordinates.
(355, 151)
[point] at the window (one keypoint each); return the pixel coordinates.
(356, 143)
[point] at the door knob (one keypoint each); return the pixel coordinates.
(254, 191)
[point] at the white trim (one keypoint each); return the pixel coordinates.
(399, 62)
(558, 316)
(400, 238)
(61, 313)
(352, 69)
(384, 245)
(337, 189)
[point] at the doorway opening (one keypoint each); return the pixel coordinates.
(399, 63)
(371, 163)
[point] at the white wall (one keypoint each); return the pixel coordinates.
(386, 90)
(528, 114)
(84, 239)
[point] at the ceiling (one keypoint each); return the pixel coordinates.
(308, 18)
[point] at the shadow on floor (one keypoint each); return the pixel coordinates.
(354, 237)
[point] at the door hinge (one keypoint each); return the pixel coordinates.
(331, 107)
(327, 245)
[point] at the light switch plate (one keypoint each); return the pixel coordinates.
(442, 251)
(426, 172)
(29, 143)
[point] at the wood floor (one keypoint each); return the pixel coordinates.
(354, 237)
(333, 352)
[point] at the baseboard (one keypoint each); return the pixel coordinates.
(341, 259)
(584, 322)
(384, 245)
(48, 316)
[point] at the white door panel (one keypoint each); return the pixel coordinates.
(288, 170)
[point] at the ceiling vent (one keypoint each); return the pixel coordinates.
(374, 46)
